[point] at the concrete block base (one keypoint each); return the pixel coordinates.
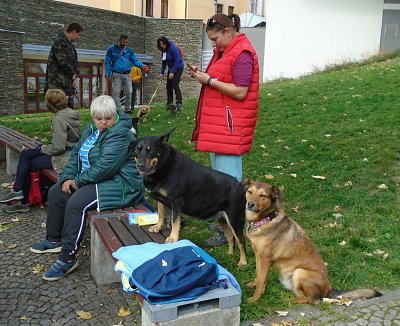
(214, 316)
(101, 262)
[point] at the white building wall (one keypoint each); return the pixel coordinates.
(302, 35)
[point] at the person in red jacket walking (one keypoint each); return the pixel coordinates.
(228, 104)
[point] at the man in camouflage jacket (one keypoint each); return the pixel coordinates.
(62, 64)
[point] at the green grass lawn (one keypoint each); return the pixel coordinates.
(342, 125)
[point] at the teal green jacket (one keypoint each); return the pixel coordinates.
(112, 166)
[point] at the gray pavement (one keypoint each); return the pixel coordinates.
(25, 299)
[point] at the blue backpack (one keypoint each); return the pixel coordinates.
(175, 275)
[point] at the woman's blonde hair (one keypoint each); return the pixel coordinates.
(55, 100)
(103, 107)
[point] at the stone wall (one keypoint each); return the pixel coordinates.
(11, 73)
(186, 33)
(37, 22)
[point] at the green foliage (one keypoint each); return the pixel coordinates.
(342, 125)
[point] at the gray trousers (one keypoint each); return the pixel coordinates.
(122, 81)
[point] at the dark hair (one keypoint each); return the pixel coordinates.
(74, 27)
(219, 22)
(123, 37)
(164, 40)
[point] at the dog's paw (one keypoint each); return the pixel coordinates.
(154, 229)
(251, 285)
(170, 240)
(242, 263)
(253, 299)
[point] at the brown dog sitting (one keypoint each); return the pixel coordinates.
(280, 242)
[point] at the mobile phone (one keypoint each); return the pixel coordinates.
(191, 67)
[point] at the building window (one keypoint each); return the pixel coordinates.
(88, 84)
(149, 8)
(164, 8)
(230, 10)
(253, 6)
(219, 8)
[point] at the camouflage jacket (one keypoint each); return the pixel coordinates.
(62, 65)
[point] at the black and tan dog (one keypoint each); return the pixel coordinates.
(281, 243)
(185, 186)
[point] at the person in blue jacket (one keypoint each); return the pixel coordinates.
(171, 59)
(119, 61)
(101, 173)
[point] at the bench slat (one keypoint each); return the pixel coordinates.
(121, 232)
(144, 232)
(107, 235)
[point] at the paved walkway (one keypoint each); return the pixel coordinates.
(25, 299)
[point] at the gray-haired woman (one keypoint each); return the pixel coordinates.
(101, 173)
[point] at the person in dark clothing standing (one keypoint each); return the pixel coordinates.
(171, 58)
(62, 65)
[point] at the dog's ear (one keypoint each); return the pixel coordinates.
(132, 145)
(164, 138)
(245, 183)
(276, 193)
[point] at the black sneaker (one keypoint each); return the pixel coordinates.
(217, 240)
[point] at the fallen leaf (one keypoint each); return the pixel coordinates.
(5, 185)
(348, 183)
(282, 313)
(16, 219)
(318, 177)
(38, 268)
(329, 300)
(269, 176)
(6, 226)
(11, 245)
(337, 208)
(385, 256)
(345, 302)
(84, 314)
(119, 324)
(23, 318)
(257, 324)
(287, 148)
(124, 311)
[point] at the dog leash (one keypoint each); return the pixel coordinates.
(155, 92)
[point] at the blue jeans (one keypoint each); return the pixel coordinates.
(30, 160)
(229, 164)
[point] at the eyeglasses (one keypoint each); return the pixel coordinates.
(212, 22)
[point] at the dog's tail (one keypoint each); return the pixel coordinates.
(356, 294)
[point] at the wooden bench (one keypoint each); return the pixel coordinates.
(12, 143)
(109, 232)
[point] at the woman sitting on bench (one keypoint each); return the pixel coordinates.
(101, 173)
(65, 135)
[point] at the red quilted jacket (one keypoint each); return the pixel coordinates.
(225, 125)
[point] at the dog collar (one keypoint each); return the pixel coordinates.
(256, 224)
